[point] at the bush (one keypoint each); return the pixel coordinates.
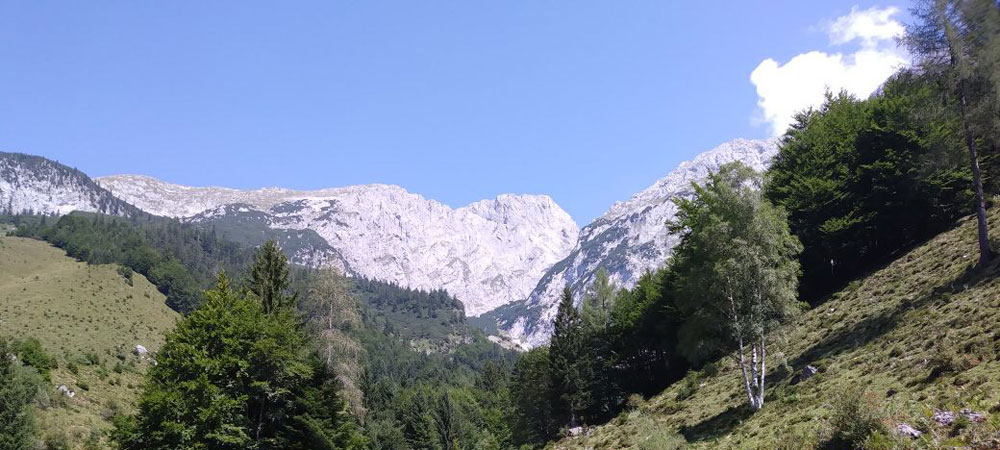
(57, 441)
(32, 354)
(92, 359)
(651, 436)
(946, 358)
(799, 438)
(634, 402)
(688, 386)
(126, 273)
(856, 417)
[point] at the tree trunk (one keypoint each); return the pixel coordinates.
(763, 371)
(749, 378)
(985, 252)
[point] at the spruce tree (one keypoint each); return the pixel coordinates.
(530, 391)
(233, 376)
(598, 362)
(569, 393)
(18, 386)
(268, 278)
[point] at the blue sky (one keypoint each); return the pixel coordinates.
(588, 102)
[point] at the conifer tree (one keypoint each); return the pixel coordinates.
(570, 396)
(18, 386)
(268, 278)
(530, 389)
(597, 361)
(957, 42)
(233, 376)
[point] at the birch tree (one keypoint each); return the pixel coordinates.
(737, 272)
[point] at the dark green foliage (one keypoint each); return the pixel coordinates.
(956, 44)
(530, 392)
(31, 354)
(234, 376)
(268, 279)
(429, 380)
(736, 272)
(321, 419)
(18, 387)
(411, 314)
(861, 181)
(644, 336)
(568, 365)
(623, 342)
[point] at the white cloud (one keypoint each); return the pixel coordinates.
(871, 26)
(785, 89)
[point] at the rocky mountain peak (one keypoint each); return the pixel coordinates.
(628, 240)
(487, 253)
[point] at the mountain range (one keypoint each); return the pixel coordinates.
(507, 259)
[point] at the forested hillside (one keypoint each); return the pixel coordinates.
(407, 348)
(847, 297)
(825, 267)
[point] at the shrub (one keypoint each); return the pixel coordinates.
(33, 355)
(92, 359)
(946, 358)
(856, 416)
(57, 441)
(634, 402)
(126, 273)
(796, 439)
(651, 436)
(688, 386)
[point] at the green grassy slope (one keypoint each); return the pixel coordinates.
(920, 335)
(89, 318)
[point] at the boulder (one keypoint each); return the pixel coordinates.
(575, 431)
(139, 350)
(973, 416)
(906, 430)
(806, 373)
(65, 390)
(944, 418)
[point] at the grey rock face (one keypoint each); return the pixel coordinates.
(628, 240)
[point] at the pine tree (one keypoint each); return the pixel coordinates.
(268, 278)
(531, 385)
(233, 376)
(420, 426)
(598, 362)
(18, 386)
(321, 418)
(566, 353)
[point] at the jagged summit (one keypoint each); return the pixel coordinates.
(487, 253)
(509, 256)
(629, 239)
